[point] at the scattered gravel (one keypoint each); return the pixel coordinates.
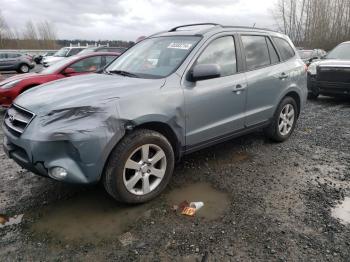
(280, 202)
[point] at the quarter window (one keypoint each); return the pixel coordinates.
(221, 52)
(256, 51)
(284, 48)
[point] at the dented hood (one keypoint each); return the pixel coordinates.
(91, 89)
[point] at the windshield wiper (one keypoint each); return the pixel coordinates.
(123, 73)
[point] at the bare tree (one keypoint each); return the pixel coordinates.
(47, 34)
(314, 23)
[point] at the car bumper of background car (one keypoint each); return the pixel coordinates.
(6, 98)
(329, 88)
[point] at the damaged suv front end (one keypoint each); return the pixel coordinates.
(50, 144)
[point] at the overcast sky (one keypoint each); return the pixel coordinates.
(129, 19)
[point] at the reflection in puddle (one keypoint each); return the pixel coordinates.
(89, 217)
(215, 202)
(9, 221)
(342, 211)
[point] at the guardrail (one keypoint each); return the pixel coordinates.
(29, 51)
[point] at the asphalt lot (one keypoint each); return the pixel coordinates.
(263, 202)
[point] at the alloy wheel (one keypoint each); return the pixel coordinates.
(286, 119)
(144, 169)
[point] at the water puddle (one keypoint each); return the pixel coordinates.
(215, 202)
(92, 216)
(342, 211)
(6, 221)
(89, 217)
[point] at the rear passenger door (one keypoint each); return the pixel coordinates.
(265, 77)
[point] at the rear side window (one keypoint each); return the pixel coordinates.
(256, 51)
(221, 52)
(13, 55)
(284, 48)
(3, 56)
(272, 51)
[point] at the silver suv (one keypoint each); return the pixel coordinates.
(171, 94)
(21, 63)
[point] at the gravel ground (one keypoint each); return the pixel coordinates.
(263, 202)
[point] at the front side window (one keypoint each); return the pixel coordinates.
(256, 51)
(284, 48)
(90, 64)
(221, 52)
(155, 57)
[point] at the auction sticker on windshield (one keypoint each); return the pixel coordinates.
(184, 46)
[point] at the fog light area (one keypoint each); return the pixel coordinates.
(58, 173)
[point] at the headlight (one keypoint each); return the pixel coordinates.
(10, 84)
(312, 69)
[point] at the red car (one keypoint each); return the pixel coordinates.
(11, 87)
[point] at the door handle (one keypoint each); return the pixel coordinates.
(283, 76)
(238, 88)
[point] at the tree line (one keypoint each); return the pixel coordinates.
(314, 23)
(43, 35)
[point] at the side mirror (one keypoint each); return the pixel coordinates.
(68, 71)
(205, 71)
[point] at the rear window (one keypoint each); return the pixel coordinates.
(284, 48)
(256, 51)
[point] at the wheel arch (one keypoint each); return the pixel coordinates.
(296, 97)
(166, 131)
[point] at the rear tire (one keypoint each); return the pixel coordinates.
(139, 167)
(284, 120)
(23, 68)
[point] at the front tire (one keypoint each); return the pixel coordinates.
(139, 167)
(284, 120)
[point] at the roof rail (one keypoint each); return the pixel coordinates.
(199, 24)
(250, 27)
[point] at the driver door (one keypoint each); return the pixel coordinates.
(215, 107)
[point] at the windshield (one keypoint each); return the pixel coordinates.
(305, 54)
(56, 66)
(155, 57)
(87, 50)
(62, 52)
(342, 51)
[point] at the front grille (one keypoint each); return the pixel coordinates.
(333, 74)
(17, 119)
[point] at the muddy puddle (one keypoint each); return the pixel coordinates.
(215, 202)
(89, 217)
(92, 216)
(342, 211)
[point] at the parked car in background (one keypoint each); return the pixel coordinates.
(61, 54)
(11, 87)
(308, 56)
(169, 95)
(11, 61)
(119, 50)
(38, 59)
(331, 75)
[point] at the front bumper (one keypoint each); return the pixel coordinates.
(328, 88)
(82, 154)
